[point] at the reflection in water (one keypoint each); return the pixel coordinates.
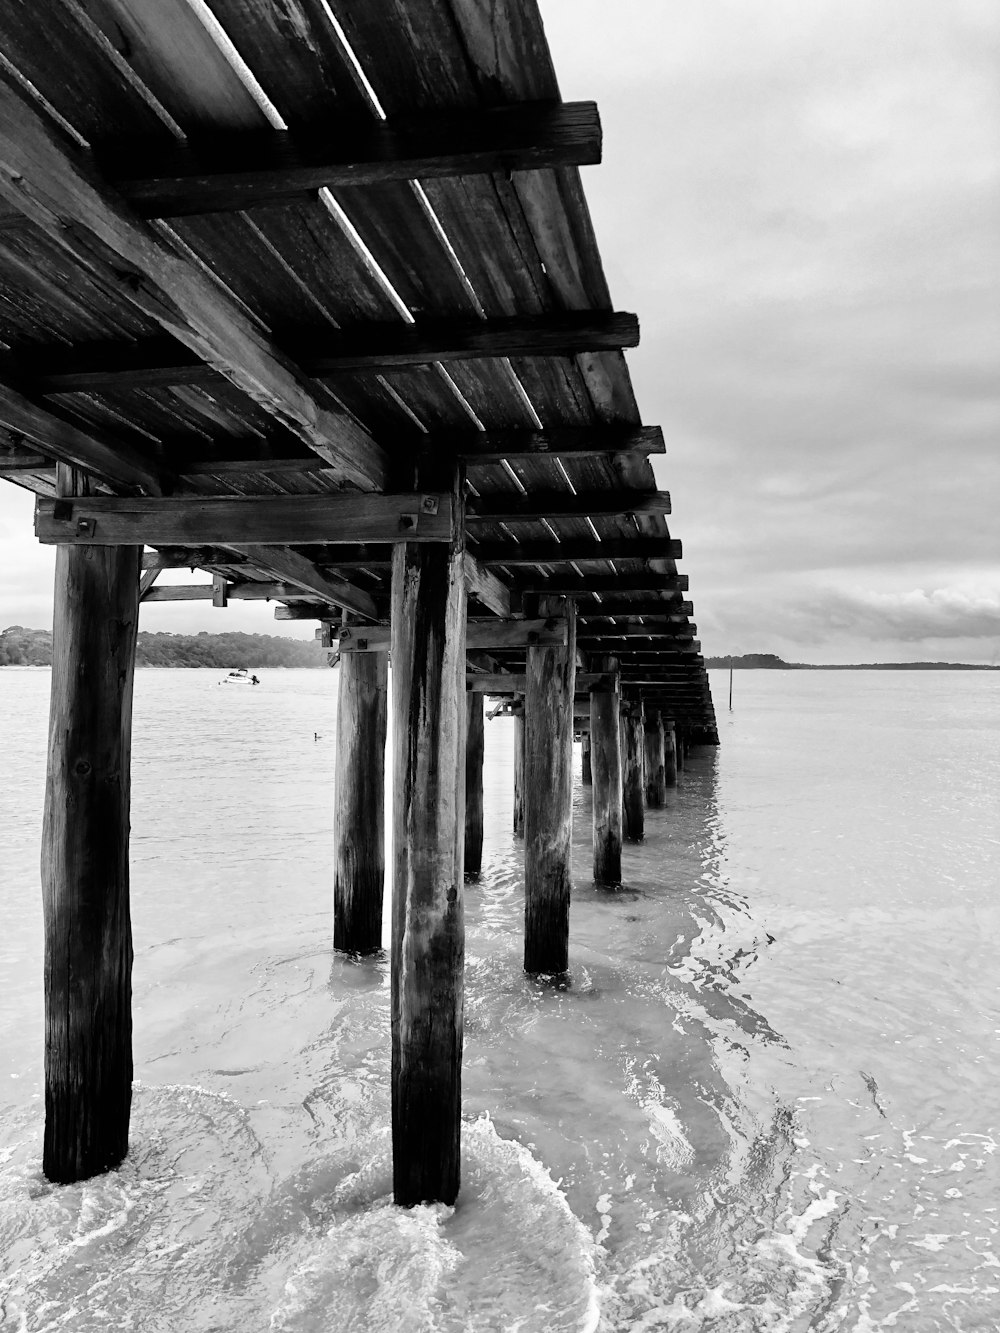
(763, 1098)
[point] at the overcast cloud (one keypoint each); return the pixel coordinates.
(801, 200)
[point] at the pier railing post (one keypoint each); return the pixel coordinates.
(606, 759)
(359, 802)
(633, 805)
(428, 931)
(669, 754)
(656, 776)
(85, 870)
(548, 778)
(474, 745)
(519, 775)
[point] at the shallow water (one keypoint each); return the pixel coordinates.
(768, 1100)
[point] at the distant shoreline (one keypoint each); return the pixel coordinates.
(768, 662)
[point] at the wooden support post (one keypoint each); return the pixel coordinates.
(519, 775)
(587, 773)
(680, 750)
(606, 760)
(670, 754)
(85, 872)
(656, 777)
(548, 780)
(359, 803)
(428, 930)
(633, 807)
(474, 743)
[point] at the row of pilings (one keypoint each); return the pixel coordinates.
(437, 814)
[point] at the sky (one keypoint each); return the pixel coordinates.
(801, 201)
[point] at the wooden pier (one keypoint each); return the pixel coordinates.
(308, 298)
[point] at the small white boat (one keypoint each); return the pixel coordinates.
(240, 677)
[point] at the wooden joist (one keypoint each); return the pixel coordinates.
(244, 592)
(232, 172)
(298, 569)
(616, 609)
(53, 184)
(484, 585)
(500, 683)
(277, 519)
(550, 632)
(21, 460)
(195, 557)
(578, 549)
(578, 585)
(517, 508)
(362, 348)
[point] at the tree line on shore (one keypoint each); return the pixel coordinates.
(33, 647)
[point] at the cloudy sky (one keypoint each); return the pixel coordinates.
(801, 200)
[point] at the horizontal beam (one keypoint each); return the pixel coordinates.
(594, 612)
(293, 567)
(365, 347)
(263, 520)
(562, 442)
(246, 592)
(235, 171)
(659, 631)
(550, 633)
(195, 557)
(517, 508)
(502, 684)
(19, 460)
(578, 549)
(575, 585)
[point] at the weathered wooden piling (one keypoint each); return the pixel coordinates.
(587, 772)
(605, 753)
(655, 763)
(548, 783)
(680, 750)
(474, 745)
(519, 775)
(358, 810)
(633, 805)
(669, 754)
(85, 871)
(428, 934)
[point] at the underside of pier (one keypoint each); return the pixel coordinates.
(306, 296)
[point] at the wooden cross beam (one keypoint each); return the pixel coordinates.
(263, 520)
(516, 683)
(363, 348)
(636, 636)
(576, 585)
(646, 608)
(53, 183)
(517, 508)
(493, 634)
(230, 172)
(576, 550)
(244, 592)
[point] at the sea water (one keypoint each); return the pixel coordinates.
(769, 1097)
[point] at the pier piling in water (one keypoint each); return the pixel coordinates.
(548, 785)
(428, 929)
(655, 764)
(633, 806)
(586, 772)
(669, 754)
(519, 775)
(85, 870)
(474, 744)
(606, 759)
(359, 803)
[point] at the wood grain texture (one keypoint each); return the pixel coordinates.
(669, 753)
(633, 808)
(358, 806)
(576, 549)
(85, 871)
(655, 765)
(474, 747)
(548, 785)
(518, 820)
(485, 587)
(606, 762)
(565, 504)
(428, 935)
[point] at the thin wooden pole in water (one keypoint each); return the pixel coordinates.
(633, 806)
(656, 780)
(359, 802)
(606, 759)
(730, 682)
(474, 746)
(548, 784)
(519, 775)
(85, 870)
(428, 929)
